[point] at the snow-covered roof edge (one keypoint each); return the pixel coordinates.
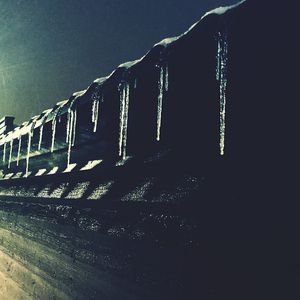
(218, 11)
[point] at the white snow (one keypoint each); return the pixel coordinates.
(59, 191)
(41, 172)
(9, 175)
(79, 93)
(18, 175)
(78, 191)
(101, 190)
(100, 80)
(91, 164)
(219, 11)
(129, 64)
(167, 41)
(27, 174)
(53, 171)
(69, 168)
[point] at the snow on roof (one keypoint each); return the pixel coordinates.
(129, 64)
(219, 11)
(59, 104)
(47, 111)
(100, 80)
(222, 9)
(79, 93)
(167, 41)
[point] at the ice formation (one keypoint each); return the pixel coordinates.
(124, 110)
(53, 133)
(54, 122)
(163, 85)
(71, 130)
(221, 76)
(41, 137)
(10, 152)
(30, 136)
(4, 152)
(95, 109)
(19, 149)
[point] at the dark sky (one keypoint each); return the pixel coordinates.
(52, 48)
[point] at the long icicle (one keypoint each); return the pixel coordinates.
(28, 153)
(74, 127)
(19, 149)
(30, 135)
(221, 75)
(41, 137)
(53, 133)
(125, 123)
(4, 152)
(163, 85)
(124, 110)
(166, 78)
(69, 134)
(10, 152)
(95, 113)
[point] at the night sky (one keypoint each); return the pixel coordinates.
(52, 48)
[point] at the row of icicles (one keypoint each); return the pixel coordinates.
(72, 122)
(124, 96)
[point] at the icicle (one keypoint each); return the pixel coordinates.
(126, 120)
(30, 135)
(71, 131)
(122, 107)
(163, 85)
(53, 133)
(124, 110)
(19, 150)
(68, 128)
(4, 152)
(41, 137)
(221, 75)
(166, 78)
(28, 152)
(74, 127)
(159, 104)
(97, 98)
(95, 114)
(218, 58)
(10, 152)
(69, 134)
(135, 83)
